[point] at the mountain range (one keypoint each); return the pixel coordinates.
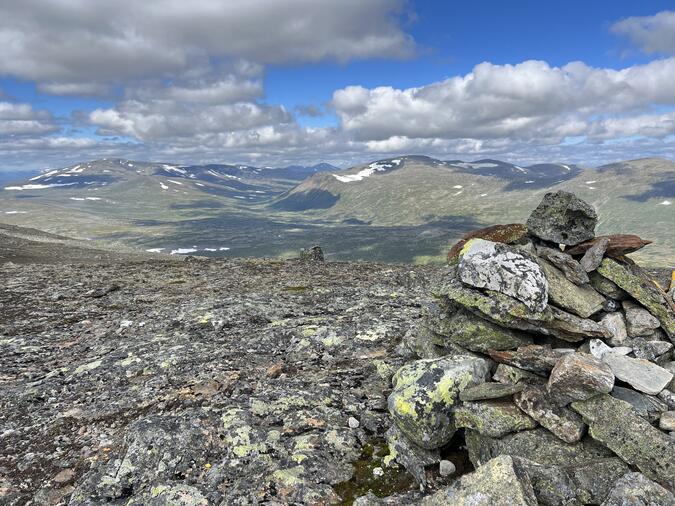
(405, 209)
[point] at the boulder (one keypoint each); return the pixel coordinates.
(639, 373)
(639, 321)
(618, 245)
(594, 255)
(425, 393)
(477, 334)
(563, 218)
(562, 422)
(313, 254)
(488, 390)
(496, 266)
(497, 483)
(634, 489)
(577, 376)
(580, 300)
(615, 323)
(616, 425)
(633, 281)
(507, 234)
(494, 418)
(566, 263)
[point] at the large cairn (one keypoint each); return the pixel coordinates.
(552, 353)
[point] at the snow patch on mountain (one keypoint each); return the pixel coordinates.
(367, 172)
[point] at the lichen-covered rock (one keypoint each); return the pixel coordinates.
(581, 300)
(586, 483)
(494, 418)
(498, 267)
(426, 391)
(561, 421)
(616, 325)
(477, 334)
(639, 373)
(170, 495)
(414, 458)
(634, 489)
(577, 376)
(507, 234)
(537, 445)
(639, 321)
(566, 263)
(647, 406)
(607, 287)
(510, 375)
(594, 255)
(563, 218)
(513, 314)
(615, 424)
(488, 390)
(643, 290)
(497, 483)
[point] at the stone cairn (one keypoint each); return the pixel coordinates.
(552, 352)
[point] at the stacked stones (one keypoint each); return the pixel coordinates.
(553, 352)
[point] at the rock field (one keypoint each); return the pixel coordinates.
(520, 374)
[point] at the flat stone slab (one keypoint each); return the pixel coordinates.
(581, 300)
(488, 390)
(616, 424)
(647, 406)
(566, 263)
(618, 244)
(639, 373)
(494, 418)
(496, 266)
(533, 358)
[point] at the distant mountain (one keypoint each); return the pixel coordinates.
(408, 208)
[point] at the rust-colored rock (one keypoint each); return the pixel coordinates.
(507, 234)
(619, 244)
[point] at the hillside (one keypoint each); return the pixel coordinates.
(406, 209)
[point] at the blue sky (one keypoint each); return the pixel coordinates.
(379, 77)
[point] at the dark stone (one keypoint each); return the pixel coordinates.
(594, 255)
(314, 254)
(488, 391)
(566, 263)
(563, 218)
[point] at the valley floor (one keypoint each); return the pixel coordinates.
(217, 381)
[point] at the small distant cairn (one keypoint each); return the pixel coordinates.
(313, 254)
(553, 352)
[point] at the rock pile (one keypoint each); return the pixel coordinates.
(552, 354)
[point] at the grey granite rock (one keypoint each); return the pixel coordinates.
(597, 348)
(577, 376)
(496, 266)
(639, 321)
(667, 421)
(561, 421)
(566, 263)
(639, 373)
(649, 349)
(616, 324)
(563, 218)
(616, 424)
(634, 489)
(593, 256)
(411, 456)
(425, 393)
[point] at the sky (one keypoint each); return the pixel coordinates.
(279, 82)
